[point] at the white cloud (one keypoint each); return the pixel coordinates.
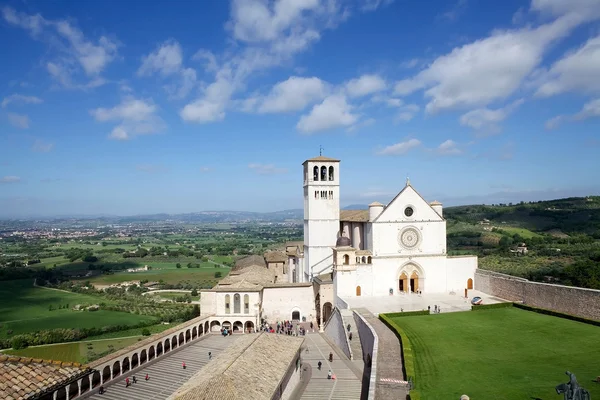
(366, 84)
(485, 120)
(371, 5)
(41, 146)
(135, 117)
(293, 94)
(590, 109)
(20, 99)
(400, 148)
(266, 34)
(489, 69)
(10, 179)
(266, 169)
(167, 61)
(413, 62)
(448, 148)
(577, 71)
(76, 53)
(20, 121)
(333, 112)
(407, 112)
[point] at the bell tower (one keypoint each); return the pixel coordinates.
(321, 214)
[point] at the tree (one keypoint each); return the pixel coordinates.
(196, 311)
(178, 265)
(218, 274)
(145, 332)
(194, 292)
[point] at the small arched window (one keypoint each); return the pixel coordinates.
(358, 260)
(346, 259)
(364, 259)
(323, 173)
(368, 260)
(227, 304)
(236, 304)
(315, 173)
(246, 304)
(330, 173)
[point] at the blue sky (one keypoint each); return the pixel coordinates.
(130, 107)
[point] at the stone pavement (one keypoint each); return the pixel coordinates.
(390, 379)
(357, 355)
(166, 374)
(415, 302)
(346, 386)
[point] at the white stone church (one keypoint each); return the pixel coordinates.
(390, 250)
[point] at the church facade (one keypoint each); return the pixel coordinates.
(385, 250)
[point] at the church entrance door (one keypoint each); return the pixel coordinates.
(412, 285)
(403, 283)
(358, 290)
(414, 282)
(296, 316)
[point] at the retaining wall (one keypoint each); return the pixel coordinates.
(334, 329)
(577, 301)
(369, 342)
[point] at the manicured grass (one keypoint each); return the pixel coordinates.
(24, 308)
(76, 351)
(500, 354)
(524, 233)
(132, 332)
(174, 295)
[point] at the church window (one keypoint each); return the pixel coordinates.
(330, 173)
(408, 211)
(323, 173)
(246, 304)
(227, 300)
(331, 195)
(358, 260)
(368, 260)
(236, 303)
(315, 173)
(316, 194)
(346, 259)
(364, 259)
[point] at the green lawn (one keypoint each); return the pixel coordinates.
(174, 295)
(132, 332)
(500, 354)
(171, 275)
(524, 233)
(24, 308)
(75, 352)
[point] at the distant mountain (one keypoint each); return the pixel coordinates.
(218, 217)
(356, 207)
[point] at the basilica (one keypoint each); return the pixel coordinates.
(388, 250)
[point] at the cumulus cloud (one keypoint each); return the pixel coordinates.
(448, 148)
(493, 68)
(10, 179)
(40, 146)
(400, 148)
(486, 121)
(578, 70)
(364, 85)
(19, 99)
(590, 110)
(293, 94)
(266, 169)
(76, 53)
(407, 112)
(333, 112)
(135, 117)
(20, 121)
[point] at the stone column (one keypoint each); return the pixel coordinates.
(321, 327)
(67, 390)
(79, 387)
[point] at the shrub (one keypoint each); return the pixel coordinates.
(407, 314)
(145, 332)
(218, 274)
(491, 306)
(556, 314)
(18, 342)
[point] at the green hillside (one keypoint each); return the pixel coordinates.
(561, 237)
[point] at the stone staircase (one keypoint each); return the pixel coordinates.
(167, 373)
(357, 354)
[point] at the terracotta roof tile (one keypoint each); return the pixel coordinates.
(275, 256)
(354, 215)
(22, 377)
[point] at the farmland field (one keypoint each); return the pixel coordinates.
(203, 275)
(76, 351)
(500, 354)
(24, 308)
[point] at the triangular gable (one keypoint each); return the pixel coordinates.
(394, 212)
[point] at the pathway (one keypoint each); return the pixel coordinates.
(347, 386)
(219, 264)
(357, 354)
(390, 382)
(166, 374)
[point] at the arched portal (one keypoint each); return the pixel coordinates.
(181, 339)
(358, 290)
(174, 342)
(116, 369)
(125, 364)
(470, 284)
(206, 327)
(295, 315)
(61, 394)
(327, 308)
(151, 353)
(73, 390)
(200, 330)
(403, 283)
(85, 384)
(249, 327)
(95, 379)
(215, 326)
(106, 375)
(143, 356)
(159, 349)
(167, 345)
(188, 335)
(238, 326)
(194, 332)
(414, 282)
(135, 361)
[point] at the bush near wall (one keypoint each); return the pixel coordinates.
(406, 314)
(556, 314)
(408, 362)
(491, 306)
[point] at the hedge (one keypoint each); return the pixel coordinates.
(557, 314)
(491, 306)
(407, 313)
(408, 361)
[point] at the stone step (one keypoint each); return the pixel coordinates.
(355, 346)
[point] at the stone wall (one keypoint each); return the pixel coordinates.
(370, 343)
(293, 378)
(334, 329)
(565, 299)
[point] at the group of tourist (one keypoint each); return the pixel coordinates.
(436, 309)
(285, 328)
(226, 332)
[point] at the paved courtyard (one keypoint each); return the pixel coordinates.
(416, 302)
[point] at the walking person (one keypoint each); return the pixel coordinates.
(147, 377)
(101, 391)
(350, 336)
(183, 365)
(210, 355)
(134, 379)
(329, 374)
(319, 365)
(330, 357)
(127, 382)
